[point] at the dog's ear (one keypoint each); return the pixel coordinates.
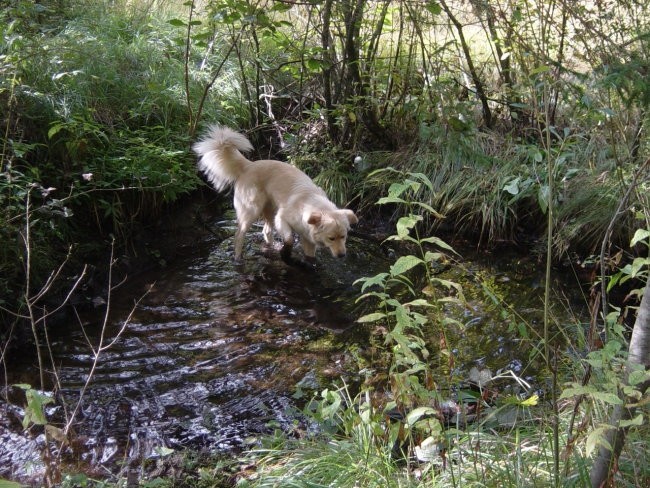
(315, 218)
(352, 219)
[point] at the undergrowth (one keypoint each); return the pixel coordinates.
(428, 424)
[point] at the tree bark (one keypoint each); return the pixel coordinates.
(357, 92)
(480, 90)
(605, 464)
(328, 67)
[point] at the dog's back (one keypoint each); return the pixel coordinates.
(220, 156)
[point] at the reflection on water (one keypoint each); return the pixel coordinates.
(211, 355)
(214, 351)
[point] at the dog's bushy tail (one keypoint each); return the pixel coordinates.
(221, 159)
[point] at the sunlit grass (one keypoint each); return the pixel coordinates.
(519, 456)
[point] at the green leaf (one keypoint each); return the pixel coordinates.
(433, 7)
(636, 421)
(638, 376)
(596, 438)
(416, 414)
(424, 179)
(540, 69)
(163, 451)
(177, 23)
(640, 235)
(314, 64)
(36, 401)
(371, 317)
(611, 398)
(543, 198)
(433, 257)
(396, 189)
(577, 391)
(378, 279)
(448, 284)
(405, 238)
(404, 263)
(613, 281)
(54, 129)
(612, 348)
(405, 224)
(513, 186)
(418, 302)
(438, 242)
(281, 6)
(9, 484)
(430, 209)
(384, 200)
(637, 265)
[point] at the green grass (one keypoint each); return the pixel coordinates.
(511, 448)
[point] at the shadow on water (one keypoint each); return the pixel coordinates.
(215, 350)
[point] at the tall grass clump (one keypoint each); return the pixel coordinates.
(351, 452)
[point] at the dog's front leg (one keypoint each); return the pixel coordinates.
(309, 248)
(308, 264)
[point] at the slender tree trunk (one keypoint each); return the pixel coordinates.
(328, 68)
(480, 90)
(502, 46)
(356, 89)
(560, 61)
(606, 462)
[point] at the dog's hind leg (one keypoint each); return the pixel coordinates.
(267, 232)
(242, 228)
(246, 217)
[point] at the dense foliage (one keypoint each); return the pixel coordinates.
(522, 117)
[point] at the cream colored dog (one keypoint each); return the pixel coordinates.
(281, 194)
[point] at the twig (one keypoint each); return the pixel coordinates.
(608, 234)
(101, 347)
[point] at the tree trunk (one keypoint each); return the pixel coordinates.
(328, 67)
(503, 62)
(480, 90)
(355, 89)
(605, 464)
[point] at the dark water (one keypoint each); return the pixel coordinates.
(214, 351)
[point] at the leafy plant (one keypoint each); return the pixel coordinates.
(403, 416)
(35, 408)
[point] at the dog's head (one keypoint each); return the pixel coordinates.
(330, 229)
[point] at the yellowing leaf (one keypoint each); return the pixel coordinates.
(531, 401)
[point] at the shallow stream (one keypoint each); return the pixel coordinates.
(214, 351)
